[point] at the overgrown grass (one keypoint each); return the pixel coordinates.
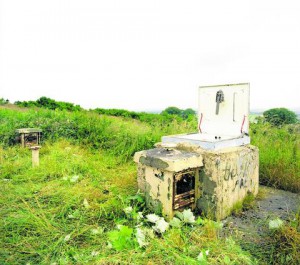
(279, 155)
(63, 211)
(279, 147)
(119, 136)
(276, 246)
(50, 214)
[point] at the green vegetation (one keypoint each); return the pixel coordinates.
(185, 114)
(279, 155)
(118, 136)
(248, 203)
(66, 212)
(3, 101)
(168, 115)
(279, 243)
(49, 103)
(280, 116)
(70, 209)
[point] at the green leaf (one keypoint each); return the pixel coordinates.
(121, 239)
(175, 222)
(226, 260)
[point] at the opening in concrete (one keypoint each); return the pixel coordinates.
(184, 189)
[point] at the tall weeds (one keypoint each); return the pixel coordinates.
(279, 155)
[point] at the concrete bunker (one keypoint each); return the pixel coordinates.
(208, 171)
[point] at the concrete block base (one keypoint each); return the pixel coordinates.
(187, 176)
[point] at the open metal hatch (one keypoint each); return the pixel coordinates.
(223, 118)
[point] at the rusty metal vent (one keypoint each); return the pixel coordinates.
(184, 189)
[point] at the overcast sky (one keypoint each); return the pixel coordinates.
(147, 55)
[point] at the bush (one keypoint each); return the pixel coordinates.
(49, 103)
(153, 119)
(184, 114)
(119, 136)
(3, 101)
(280, 116)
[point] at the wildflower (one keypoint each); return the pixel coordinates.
(202, 256)
(86, 203)
(140, 215)
(97, 231)
(141, 237)
(275, 224)
(95, 253)
(67, 237)
(153, 218)
(74, 179)
(128, 210)
(160, 226)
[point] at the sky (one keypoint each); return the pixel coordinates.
(148, 55)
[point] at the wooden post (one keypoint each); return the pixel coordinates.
(23, 140)
(35, 155)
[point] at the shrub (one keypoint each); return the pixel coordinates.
(280, 116)
(184, 114)
(48, 103)
(3, 101)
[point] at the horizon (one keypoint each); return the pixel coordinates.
(252, 110)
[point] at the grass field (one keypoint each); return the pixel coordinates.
(68, 210)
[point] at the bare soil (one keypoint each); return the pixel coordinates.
(251, 227)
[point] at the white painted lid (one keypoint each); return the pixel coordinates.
(233, 116)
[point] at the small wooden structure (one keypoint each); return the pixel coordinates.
(29, 136)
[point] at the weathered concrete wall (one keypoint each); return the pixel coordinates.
(223, 178)
(228, 176)
(156, 169)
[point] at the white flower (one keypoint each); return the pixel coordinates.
(140, 215)
(95, 253)
(97, 231)
(153, 218)
(109, 245)
(188, 217)
(128, 210)
(160, 226)
(86, 203)
(67, 237)
(74, 179)
(6, 179)
(275, 224)
(71, 216)
(202, 255)
(141, 237)
(65, 178)
(119, 227)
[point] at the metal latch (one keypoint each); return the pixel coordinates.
(219, 99)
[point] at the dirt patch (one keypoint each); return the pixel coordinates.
(251, 227)
(272, 204)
